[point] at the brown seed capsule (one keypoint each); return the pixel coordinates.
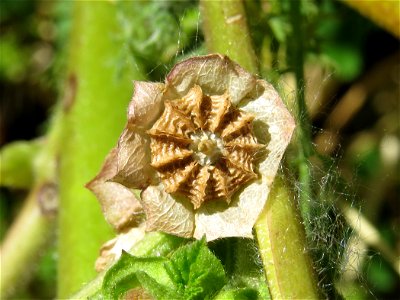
(200, 136)
(203, 147)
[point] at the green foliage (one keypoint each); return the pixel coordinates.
(195, 271)
(192, 272)
(157, 290)
(380, 275)
(157, 244)
(16, 64)
(238, 294)
(43, 284)
(122, 276)
(13, 9)
(158, 31)
(332, 32)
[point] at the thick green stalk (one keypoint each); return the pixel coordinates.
(95, 114)
(22, 245)
(282, 242)
(34, 225)
(226, 32)
(279, 231)
(296, 62)
(17, 164)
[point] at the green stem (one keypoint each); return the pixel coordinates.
(296, 61)
(95, 115)
(279, 231)
(17, 164)
(22, 244)
(226, 32)
(281, 240)
(29, 233)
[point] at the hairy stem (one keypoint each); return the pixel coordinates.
(95, 115)
(224, 27)
(22, 245)
(32, 228)
(281, 239)
(226, 32)
(296, 61)
(17, 163)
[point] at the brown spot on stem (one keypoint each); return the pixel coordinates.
(47, 197)
(70, 92)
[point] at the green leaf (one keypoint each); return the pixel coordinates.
(280, 28)
(169, 28)
(122, 276)
(157, 243)
(192, 272)
(157, 290)
(238, 294)
(346, 59)
(195, 271)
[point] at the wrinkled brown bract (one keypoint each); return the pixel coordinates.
(120, 206)
(211, 132)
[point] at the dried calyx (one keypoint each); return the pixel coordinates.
(203, 147)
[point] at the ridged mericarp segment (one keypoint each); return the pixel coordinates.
(173, 122)
(190, 105)
(218, 110)
(177, 177)
(203, 147)
(239, 121)
(165, 152)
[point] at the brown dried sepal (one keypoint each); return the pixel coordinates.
(203, 147)
(120, 206)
